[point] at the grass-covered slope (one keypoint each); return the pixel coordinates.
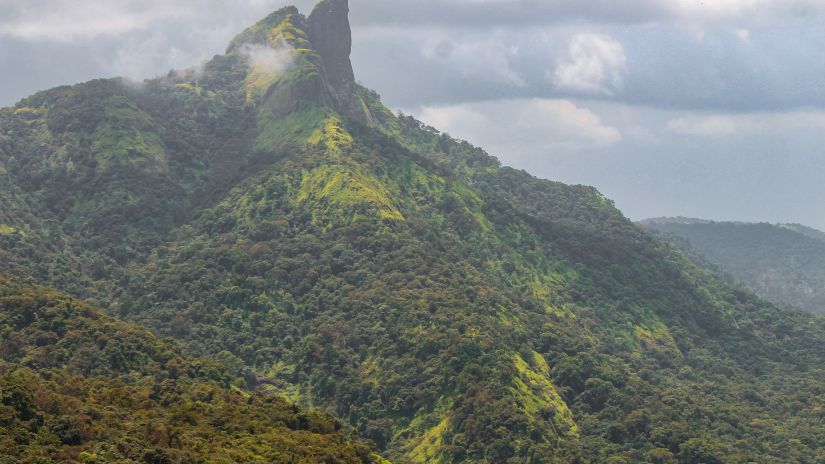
(79, 386)
(783, 263)
(448, 308)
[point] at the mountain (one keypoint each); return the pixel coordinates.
(806, 231)
(784, 263)
(266, 207)
(79, 386)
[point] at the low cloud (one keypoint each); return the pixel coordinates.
(488, 58)
(748, 124)
(268, 59)
(708, 126)
(524, 127)
(595, 65)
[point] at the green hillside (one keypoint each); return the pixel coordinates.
(783, 263)
(268, 209)
(79, 386)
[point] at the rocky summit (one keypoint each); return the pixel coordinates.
(329, 33)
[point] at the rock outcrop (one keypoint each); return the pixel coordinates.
(330, 34)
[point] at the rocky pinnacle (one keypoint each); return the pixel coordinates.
(330, 34)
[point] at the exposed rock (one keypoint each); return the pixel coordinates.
(330, 34)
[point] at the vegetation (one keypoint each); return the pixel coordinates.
(445, 307)
(783, 263)
(78, 386)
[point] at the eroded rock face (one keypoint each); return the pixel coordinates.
(319, 72)
(330, 34)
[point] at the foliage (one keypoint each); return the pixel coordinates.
(783, 263)
(447, 308)
(78, 386)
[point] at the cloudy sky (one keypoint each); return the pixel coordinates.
(706, 108)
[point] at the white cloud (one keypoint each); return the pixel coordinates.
(73, 20)
(596, 64)
(524, 127)
(744, 9)
(137, 56)
(64, 20)
(486, 58)
(729, 125)
(706, 126)
(486, 13)
(269, 60)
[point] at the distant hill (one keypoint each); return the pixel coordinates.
(784, 263)
(804, 230)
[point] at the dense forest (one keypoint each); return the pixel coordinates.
(784, 263)
(298, 240)
(79, 386)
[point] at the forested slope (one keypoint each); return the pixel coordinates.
(784, 263)
(267, 208)
(79, 386)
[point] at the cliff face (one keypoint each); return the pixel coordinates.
(330, 34)
(296, 63)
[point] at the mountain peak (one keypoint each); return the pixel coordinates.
(260, 33)
(329, 31)
(297, 61)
